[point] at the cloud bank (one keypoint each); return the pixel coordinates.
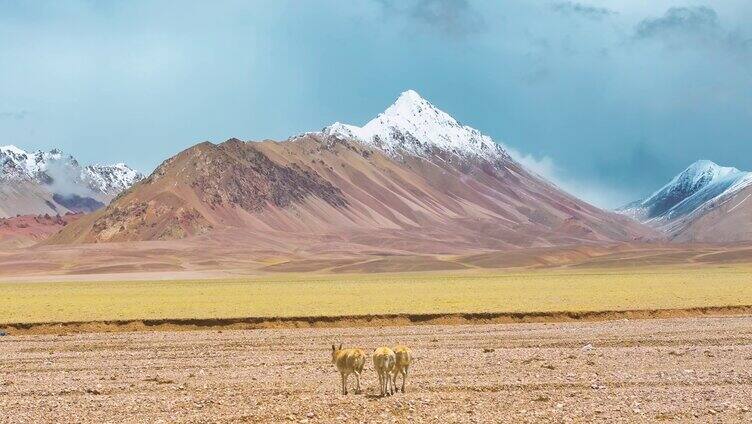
(452, 18)
(583, 10)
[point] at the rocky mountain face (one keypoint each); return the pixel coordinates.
(411, 180)
(705, 202)
(55, 183)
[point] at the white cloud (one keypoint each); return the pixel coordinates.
(588, 190)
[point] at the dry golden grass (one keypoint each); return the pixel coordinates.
(370, 294)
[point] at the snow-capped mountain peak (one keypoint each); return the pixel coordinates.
(412, 107)
(704, 172)
(700, 184)
(697, 178)
(62, 172)
(16, 163)
(111, 179)
(414, 126)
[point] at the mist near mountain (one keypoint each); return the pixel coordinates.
(34, 183)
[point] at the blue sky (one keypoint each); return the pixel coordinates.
(607, 98)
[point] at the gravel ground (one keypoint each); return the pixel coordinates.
(693, 369)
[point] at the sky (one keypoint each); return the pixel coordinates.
(608, 99)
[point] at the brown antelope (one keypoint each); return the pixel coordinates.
(383, 362)
(403, 358)
(348, 361)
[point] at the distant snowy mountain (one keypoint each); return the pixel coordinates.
(18, 164)
(414, 126)
(53, 182)
(699, 186)
(111, 179)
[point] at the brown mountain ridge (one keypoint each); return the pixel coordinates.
(320, 186)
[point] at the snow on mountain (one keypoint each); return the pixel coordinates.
(62, 173)
(16, 163)
(111, 179)
(698, 187)
(414, 126)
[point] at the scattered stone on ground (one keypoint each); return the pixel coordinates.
(537, 373)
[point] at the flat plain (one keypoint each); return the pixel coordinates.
(61, 364)
(332, 295)
(680, 370)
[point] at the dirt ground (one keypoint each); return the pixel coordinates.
(683, 369)
(235, 255)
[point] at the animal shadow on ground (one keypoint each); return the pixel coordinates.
(374, 396)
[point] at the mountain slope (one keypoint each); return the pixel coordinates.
(727, 219)
(705, 202)
(27, 230)
(201, 188)
(412, 180)
(54, 183)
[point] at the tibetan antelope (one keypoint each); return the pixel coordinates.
(383, 362)
(403, 359)
(348, 361)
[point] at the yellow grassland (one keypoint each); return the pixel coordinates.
(301, 295)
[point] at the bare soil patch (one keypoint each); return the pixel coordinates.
(689, 369)
(241, 253)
